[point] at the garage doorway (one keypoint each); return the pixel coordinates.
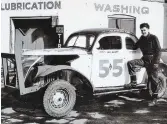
(34, 32)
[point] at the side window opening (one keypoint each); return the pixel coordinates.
(110, 43)
(129, 43)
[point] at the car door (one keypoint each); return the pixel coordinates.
(132, 54)
(108, 61)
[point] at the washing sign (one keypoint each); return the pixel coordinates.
(126, 9)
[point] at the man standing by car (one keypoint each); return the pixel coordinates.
(150, 47)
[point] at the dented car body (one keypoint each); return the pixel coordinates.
(92, 61)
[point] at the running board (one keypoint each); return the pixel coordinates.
(114, 90)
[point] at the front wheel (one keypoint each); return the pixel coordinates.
(59, 98)
(162, 80)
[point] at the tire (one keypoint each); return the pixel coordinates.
(161, 85)
(59, 98)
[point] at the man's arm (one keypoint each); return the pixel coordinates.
(157, 51)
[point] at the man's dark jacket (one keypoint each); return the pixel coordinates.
(149, 45)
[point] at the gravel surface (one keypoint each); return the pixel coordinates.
(112, 109)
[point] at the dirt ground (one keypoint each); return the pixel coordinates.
(112, 109)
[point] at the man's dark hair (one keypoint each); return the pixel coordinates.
(144, 25)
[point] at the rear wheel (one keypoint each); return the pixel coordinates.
(162, 80)
(59, 98)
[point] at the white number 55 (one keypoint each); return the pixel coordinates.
(106, 70)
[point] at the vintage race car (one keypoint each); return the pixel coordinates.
(92, 62)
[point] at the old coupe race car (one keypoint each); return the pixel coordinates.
(92, 62)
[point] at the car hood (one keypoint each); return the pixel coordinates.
(56, 51)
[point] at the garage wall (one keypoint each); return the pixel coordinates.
(165, 26)
(81, 14)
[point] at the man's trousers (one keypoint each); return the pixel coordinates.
(145, 61)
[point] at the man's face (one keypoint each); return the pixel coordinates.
(144, 31)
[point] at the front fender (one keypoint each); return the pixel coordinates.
(48, 69)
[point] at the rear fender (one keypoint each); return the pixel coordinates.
(163, 68)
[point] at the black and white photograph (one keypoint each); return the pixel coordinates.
(83, 61)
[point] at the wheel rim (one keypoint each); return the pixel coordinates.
(59, 99)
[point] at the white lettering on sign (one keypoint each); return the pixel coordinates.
(31, 5)
(59, 44)
(59, 37)
(121, 8)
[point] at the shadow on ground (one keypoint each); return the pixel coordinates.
(124, 108)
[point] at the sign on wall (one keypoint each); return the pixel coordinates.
(60, 35)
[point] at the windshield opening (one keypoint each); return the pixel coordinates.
(81, 41)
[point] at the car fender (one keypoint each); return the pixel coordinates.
(48, 69)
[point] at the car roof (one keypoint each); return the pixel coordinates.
(97, 31)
